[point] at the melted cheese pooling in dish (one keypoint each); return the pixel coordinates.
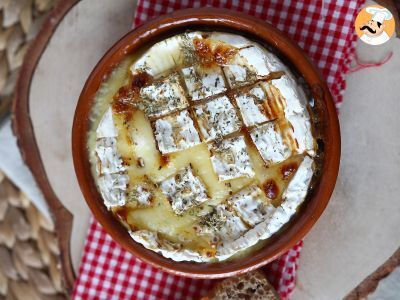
(202, 146)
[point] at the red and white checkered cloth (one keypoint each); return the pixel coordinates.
(324, 29)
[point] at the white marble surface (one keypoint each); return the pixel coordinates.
(359, 229)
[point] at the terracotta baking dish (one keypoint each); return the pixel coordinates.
(324, 117)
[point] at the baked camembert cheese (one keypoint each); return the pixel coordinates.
(203, 146)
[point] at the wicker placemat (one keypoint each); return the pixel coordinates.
(20, 22)
(29, 254)
(29, 265)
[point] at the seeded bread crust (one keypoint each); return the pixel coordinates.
(251, 286)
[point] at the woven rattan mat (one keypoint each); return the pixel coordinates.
(29, 266)
(20, 21)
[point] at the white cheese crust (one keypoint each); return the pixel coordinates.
(112, 180)
(217, 118)
(269, 143)
(233, 227)
(250, 204)
(295, 100)
(141, 195)
(166, 55)
(109, 159)
(144, 197)
(300, 130)
(258, 92)
(296, 113)
(106, 127)
(275, 218)
(184, 190)
(159, 58)
(230, 159)
(176, 252)
(255, 60)
(176, 132)
(113, 188)
(203, 83)
(250, 108)
(248, 66)
(297, 189)
(296, 105)
(164, 97)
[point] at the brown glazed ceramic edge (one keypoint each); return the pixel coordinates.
(212, 19)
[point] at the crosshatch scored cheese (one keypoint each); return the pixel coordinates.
(202, 146)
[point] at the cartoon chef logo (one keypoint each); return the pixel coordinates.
(374, 25)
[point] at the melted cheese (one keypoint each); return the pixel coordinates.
(250, 204)
(269, 143)
(217, 118)
(249, 65)
(106, 128)
(112, 179)
(176, 132)
(233, 226)
(109, 159)
(230, 159)
(203, 83)
(164, 97)
(184, 190)
(173, 172)
(252, 112)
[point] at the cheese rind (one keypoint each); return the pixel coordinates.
(269, 143)
(184, 190)
(233, 227)
(250, 204)
(230, 159)
(296, 113)
(300, 130)
(296, 105)
(109, 159)
(217, 118)
(106, 127)
(150, 240)
(141, 195)
(297, 189)
(295, 99)
(112, 180)
(248, 66)
(159, 58)
(252, 112)
(255, 59)
(203, 83)
(275, 218)
(258, 92)
(163, 97)
(247, 239)
(176, 132)
(113, 188)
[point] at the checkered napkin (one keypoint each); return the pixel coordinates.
(324, 29)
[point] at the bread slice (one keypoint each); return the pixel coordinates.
(251, 286)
